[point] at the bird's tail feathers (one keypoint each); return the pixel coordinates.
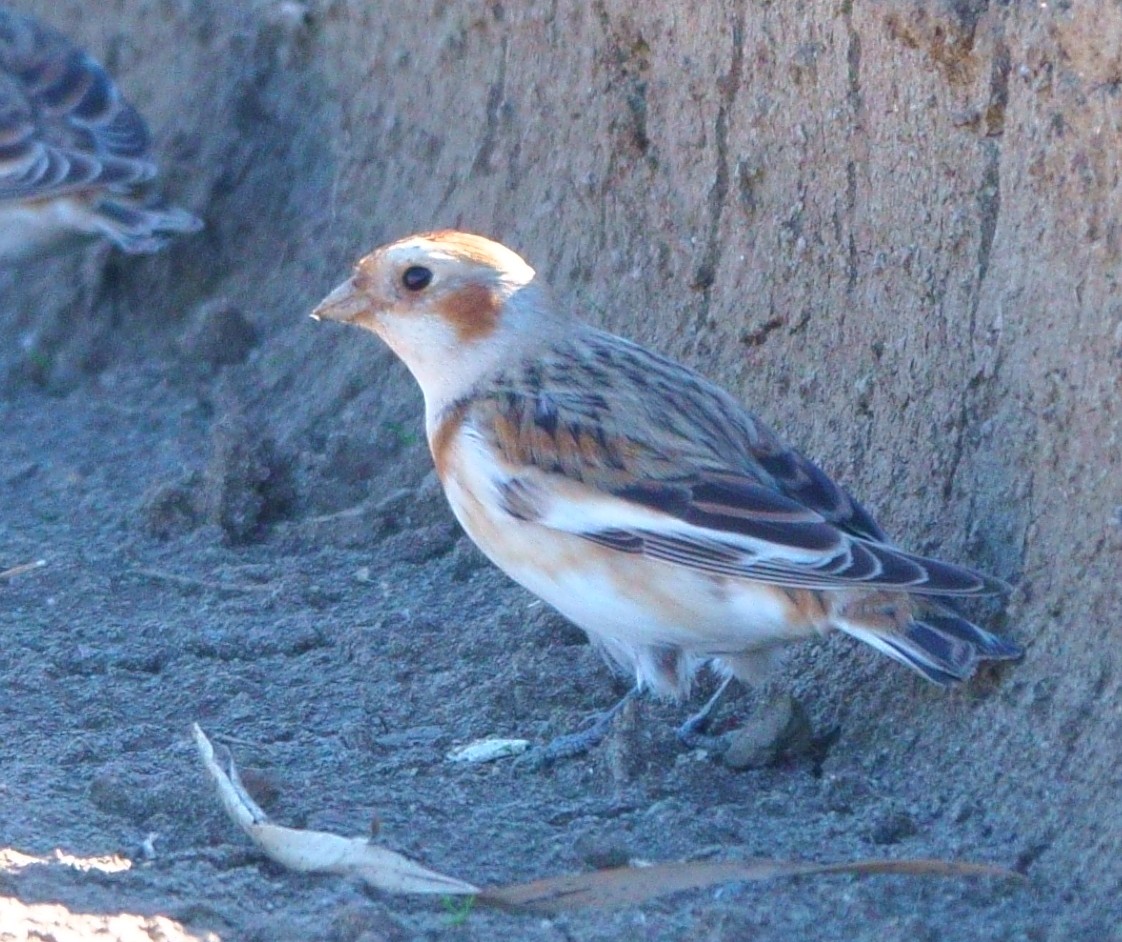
(137, 229)
(940, 645)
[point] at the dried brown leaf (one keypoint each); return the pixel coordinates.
(627, 886)
(320, 852)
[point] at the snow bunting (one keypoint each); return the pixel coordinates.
(633, 495)
(74, 155)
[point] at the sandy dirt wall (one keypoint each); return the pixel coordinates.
(891, 228)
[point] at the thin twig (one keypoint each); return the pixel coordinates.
(20, 570)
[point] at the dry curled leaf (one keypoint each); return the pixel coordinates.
(320, 852)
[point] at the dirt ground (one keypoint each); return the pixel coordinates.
(892, 229)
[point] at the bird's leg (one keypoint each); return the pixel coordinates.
(594, 732)
(692, 732)
(778, 728)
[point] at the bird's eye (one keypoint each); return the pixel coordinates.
(416, 277)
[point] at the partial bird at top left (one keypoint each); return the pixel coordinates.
(75, 156)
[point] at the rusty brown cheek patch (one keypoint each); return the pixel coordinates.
(473, 312)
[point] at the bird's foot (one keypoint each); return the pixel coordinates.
(778, 729)
(693, 732)
(595, 730)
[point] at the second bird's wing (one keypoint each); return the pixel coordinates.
(64, 126)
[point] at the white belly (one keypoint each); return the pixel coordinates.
(657, 618)
(629, 602)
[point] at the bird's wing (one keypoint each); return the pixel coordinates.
(679, 478)
(64, 126)
(799, 478)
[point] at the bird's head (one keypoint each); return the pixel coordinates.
(450, 304)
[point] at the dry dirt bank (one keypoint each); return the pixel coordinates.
(893, 229)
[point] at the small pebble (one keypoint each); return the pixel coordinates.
(892, 828)
(488, 750)
(779, 729)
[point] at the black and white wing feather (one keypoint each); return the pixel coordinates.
(66, 131)
(631, 451)
(64, 125)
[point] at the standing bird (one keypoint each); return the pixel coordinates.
(74, 155)
(635, 496)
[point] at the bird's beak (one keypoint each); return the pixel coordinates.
(344, 304)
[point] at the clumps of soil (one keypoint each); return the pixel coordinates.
(246, 487)
(218, 334)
